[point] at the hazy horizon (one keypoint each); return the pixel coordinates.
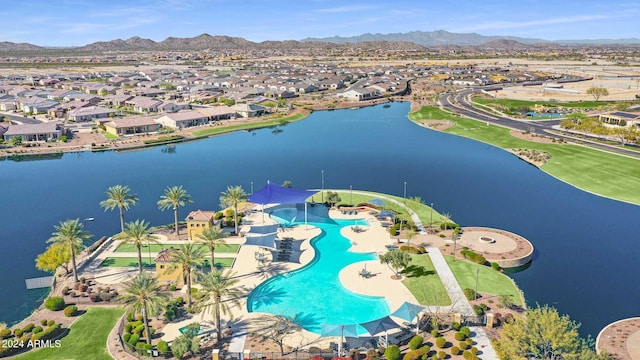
(77, 22)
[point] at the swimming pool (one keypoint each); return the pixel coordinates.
(313, 295)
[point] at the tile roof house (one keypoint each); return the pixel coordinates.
(215, 113)
(132, 125)
(142, 104)
(249, 110)
(90, 113)
(49, 131)
(183, 119)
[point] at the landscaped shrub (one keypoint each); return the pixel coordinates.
(455, 326)
(126, 337)
(37, 329)
(51, 322)
(127, 328)
(460, 336)
(105, 296)
(94, 298)
(469, 341)
(130, 316)
(478, 310)
(455, 350)
(219, 215)
(170, 315)
(152, 330)
(435, 333)
(474, 350)
(442, 354)
(163, 346)
(5, 333)
(139, 329)
(43, 322)
(17, 332)
(142, 347)
(465, 330)
(70, 311)
(28, 328)
(415, 342)
(134, 339)
(417, 354)
(173, 287)
(441, 342)
(470, 294)
(495, 266)
(54, 303)
(463, 345)
(392, 352)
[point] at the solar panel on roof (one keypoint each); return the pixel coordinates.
(625, 115)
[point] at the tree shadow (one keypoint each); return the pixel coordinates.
(417, 271)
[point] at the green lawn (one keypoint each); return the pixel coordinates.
(592, 170)
(424, 283)
(511, 103)
(87, 338)
(230, 248)
(133, 262)
(489, 281)
(250, 126)
(423, 211)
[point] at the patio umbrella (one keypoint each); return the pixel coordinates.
(380, 325)
(341, 330)
(408, 311)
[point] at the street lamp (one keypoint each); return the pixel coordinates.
(252, 188)
(475, 297)
(431, 218)
(84, 221)
(351, 195)
(405, 193)
(322, 192)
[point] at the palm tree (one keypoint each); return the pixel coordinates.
(232, 197)
(219, 292)
(174, 197)
(187, 257)
(142, 294)
(70, 233)
(212, 237)
(446, 218)
(119, 196)
(138, 234)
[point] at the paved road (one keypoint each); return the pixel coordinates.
(461, 104)
(20, 119)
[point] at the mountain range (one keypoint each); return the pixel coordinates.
(414, 40)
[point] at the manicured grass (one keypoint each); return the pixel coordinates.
(87, 338)
(431, 113)
(110, 136)
(424, 283)
(603, 173)
(489, 281)
(423, 211)
(250, 126)
(230, 248)
(133, 262)
(511, 103)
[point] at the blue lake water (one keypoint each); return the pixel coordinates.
(586, 246)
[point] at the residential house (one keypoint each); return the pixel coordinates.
(116, 100)
(360, 94)
(215, 113)
(90, 113)
(200, 221)
(183, 119)
(249, 110)
(167, 272)
(173, 106)
(132, 125)
(48, 131)
(142, 104)
(36, 105)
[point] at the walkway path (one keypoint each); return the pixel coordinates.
(414, 216)
(483, 343)
(459, 302)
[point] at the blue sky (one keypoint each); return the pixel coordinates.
(79, 22)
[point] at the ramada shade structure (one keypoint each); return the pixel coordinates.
(276, 194)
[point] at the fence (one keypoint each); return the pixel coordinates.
(40, 282)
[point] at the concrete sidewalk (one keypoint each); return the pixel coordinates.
(459, 302)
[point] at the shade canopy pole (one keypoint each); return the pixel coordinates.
(305, 215)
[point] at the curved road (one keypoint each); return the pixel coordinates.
(460, 103)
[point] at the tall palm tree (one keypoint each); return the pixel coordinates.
(142, 294)
(212, 237)
(119, 196)
(446, 218)
(174, 197)
(219, 292)
(137, 233)
(187, 257)
(70, 233)
(231, 198)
